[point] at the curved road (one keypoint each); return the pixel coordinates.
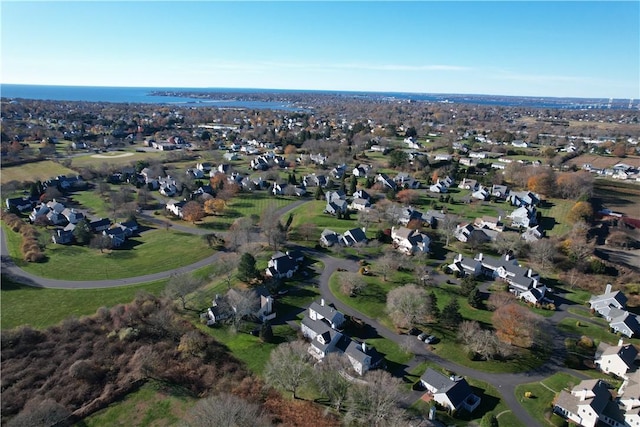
(505, 383)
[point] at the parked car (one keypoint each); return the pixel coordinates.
(422, 336)
(414, 331)
(430, 339)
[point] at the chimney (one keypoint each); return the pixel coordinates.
(322, 302)
(620, 342)
(583, 394)
(480, 256)
(364, 347)
(607, 290)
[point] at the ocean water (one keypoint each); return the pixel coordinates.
(130, 95)
(144, 95)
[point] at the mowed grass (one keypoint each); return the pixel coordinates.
(154, 251)
(597, 331)
(153, 404)
(34, 171)
(248, 348)
(114, 159)
(312, 212)
(245, 205)
(41, 308)
(543, 393)
(554, 216)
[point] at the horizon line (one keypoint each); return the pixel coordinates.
(321, 90)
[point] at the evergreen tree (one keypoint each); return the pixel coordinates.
(319, 193)
(432, 301)
(82, 232)
(451, 316)
(467, 285)
(474, 298)
(247, 267)
(266, 332)
(353, 184)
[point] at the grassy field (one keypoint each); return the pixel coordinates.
(41, 308)
(554, 216)
(153, 404)
(33, 171)
(143, 255)
(312, 212)
(114, 158)
(539, 405)
(618, 196)
(599, 332)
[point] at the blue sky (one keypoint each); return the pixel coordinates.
(581, 49)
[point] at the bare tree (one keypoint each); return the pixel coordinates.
(447, 227)
(517, 325)
(226, 410)
(351, 283)
(375, 402)
(510, 243)
(387, 263)
(543, 252)
(308, 230)
(180, 286)
(407, 305)
(239, 233)
(225, 266)
(499, 299)
(41, 412)
(271, 227)
(244, 302)
(288, 367)
(330, 378)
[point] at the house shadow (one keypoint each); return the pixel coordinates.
(219, 226)
(547, 223)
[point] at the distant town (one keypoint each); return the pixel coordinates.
(347, 259)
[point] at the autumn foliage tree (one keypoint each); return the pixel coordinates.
(516, 325)
(542, 182)
(407, 197)
(214, 206)
(192, 211)
(581, 211)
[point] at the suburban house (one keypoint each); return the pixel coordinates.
(336, 202)
(175, 207)
(585, 404)
(19, 203)
(616, 359)
(441, 185)
(72, 216)
(407, 214)
(468, 232)
(523, 217)
(329, 238)
(361, 194)
(361, 171)
(522, 281)
(523, 198)
(468, 184)
(62, 236)
(321, 325)
(611, 305)
(219, 311)
(410, 241)
(404, 180)
(489, 222)
(454, 393)
(338, 172)
(283, 265)
(314, 180)
(532, 234)
(386, 181)
(481, 193)
(500, 191)
(358, 204)
(99, 225)
(354, 236)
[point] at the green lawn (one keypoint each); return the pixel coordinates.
(539, 405)
(312, 212)
(153, 404)
(113, 159)
(248, 348)
(34, 171)
(41, 307)
(598, 332)
(554, 216)
(145, 254)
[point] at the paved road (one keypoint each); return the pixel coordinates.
(505, 383)
(10, 269)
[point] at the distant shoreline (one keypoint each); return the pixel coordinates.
(286, 99)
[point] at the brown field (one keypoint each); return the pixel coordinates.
(602, 162)
(33, 171)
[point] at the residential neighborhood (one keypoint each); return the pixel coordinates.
(468, 262)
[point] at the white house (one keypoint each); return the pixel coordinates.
(616, 359)
(585, 403)
(410, 241)
(451, 392)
